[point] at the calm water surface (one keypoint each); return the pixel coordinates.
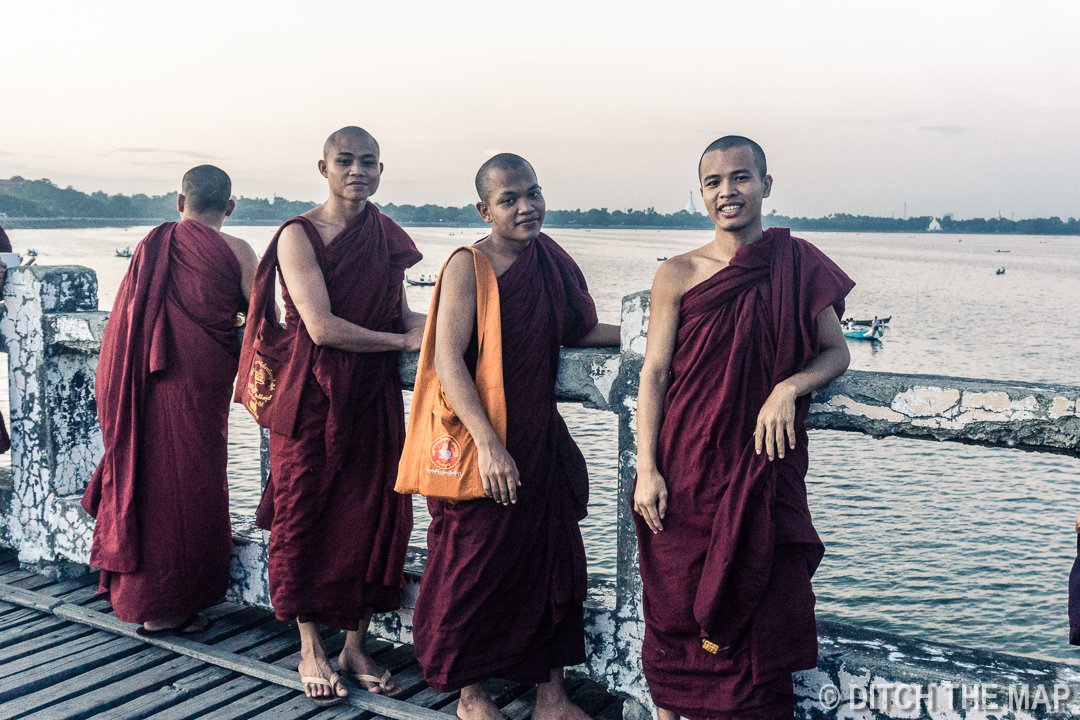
(935, 540)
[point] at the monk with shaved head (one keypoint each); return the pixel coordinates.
(504, 585)
(741, 331)
(164, 380)
(338, 531)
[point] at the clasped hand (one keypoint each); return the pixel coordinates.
(776, 422)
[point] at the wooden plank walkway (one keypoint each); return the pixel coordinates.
(63, 656)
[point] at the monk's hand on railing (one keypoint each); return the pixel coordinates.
(412, 339)
(776, 422)
(1077, 528)
(499, 473)
(651, 498)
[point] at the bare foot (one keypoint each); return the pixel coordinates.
(558, 710)
(355, 662)
(182, 625)
(663, 714)
(552, 702)
(476, 704)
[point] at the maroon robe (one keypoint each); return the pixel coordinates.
(1074, 598)
(338, 531)
(164, 381)
(5, 440)
(734, 561)
(503, 590)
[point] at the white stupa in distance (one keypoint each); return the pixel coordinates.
(691, 207)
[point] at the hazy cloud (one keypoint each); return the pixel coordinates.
(948, 130)
(186, 153)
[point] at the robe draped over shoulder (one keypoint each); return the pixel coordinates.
(338, 531)
(164, 379)
(503, 589)
(734, 561)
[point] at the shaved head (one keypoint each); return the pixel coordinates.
(507, 162)
(733, 141)
(350, 131)
(206, 189)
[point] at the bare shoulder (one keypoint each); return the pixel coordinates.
(677, 274)
(243, 251)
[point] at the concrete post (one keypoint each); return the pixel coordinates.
(52, 332)
(630, 628)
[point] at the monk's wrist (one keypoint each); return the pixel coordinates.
(788, 390)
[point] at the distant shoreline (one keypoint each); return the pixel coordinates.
(59, 223)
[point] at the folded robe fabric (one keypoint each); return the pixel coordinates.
(164, 380)
(503, 589)
(1074, 598)
(706, 576)
(338, 531)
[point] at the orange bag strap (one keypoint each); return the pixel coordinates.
(489, 375)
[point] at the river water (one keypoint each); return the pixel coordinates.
(934, 540)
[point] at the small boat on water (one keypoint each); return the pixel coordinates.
(125, 253)
(31, 252)
(420, 283)
(866, 323)
(662, 259)
(1001, 271)
(864, 333)
(1003, 251)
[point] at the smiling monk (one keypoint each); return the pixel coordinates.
(741, 331)
(503, 590)
(338, 531)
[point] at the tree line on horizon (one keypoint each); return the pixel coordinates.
(44, 199)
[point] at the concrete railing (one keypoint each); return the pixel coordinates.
(52, 332)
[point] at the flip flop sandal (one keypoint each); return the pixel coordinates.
(316, 680)
(177, 629)
(380, 681)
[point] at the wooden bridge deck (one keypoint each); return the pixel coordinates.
(63, 655)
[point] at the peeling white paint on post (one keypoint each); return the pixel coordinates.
(56, 440)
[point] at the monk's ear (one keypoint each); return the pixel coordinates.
(180, 203)
(482, 208)
(768, 186)
(322, 167)
(230, 208)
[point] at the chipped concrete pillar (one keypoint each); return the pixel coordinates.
(628, 677)
(52, 331)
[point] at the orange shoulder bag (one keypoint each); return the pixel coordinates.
(440, 459)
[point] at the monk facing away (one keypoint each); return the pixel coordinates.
(740, 332)
(164, 380)
(338, 531)
(504, 585)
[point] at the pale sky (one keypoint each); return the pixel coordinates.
(964, 107)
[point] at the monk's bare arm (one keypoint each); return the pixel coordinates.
(651, 495)
(602, 335)
(777, 417)
(249, 262)
(453, 331)
(412, 319)
(307, 287)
